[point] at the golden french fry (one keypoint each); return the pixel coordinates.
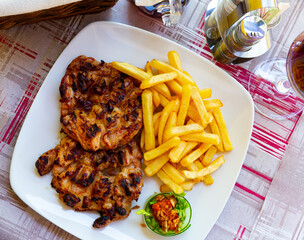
(215, 130)
(176, 152)
(208, 180)
(161, 149)
(148, 69)
(174, 60)
(156, 116)
(193, 114)
(195, 154)
(207, 170)
(156, 79)
(190, 121)
(175, 87)
(199, 104)
(181, 77)
(176, 104)
(188, 185)
(190, 146)
(185, 101)
(163, 100)
(184, 130)
(173, 173)
(212, 103)
(155, 165)
(147, 106)
(142, 139)
(171, 122)
(205, 93)
(192, 166)
(164, 188)
(156, 99)
(163, 119)
(206, 160)
(223, 129)
(163, 89)
(131, 70)
(202, 137)
(195, 166)
(168, 181)
(156, 126)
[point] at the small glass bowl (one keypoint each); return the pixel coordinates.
(186, 224)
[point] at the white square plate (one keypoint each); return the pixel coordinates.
(40, 132)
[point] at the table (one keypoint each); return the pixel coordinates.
(267, 199)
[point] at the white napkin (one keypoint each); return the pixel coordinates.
(16, 7)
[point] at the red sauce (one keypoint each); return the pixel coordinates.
(165, 215)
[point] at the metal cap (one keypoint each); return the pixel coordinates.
(251, 30)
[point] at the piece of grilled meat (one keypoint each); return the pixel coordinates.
(100, 106)
(106, 180)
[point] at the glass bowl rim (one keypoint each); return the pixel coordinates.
(169, 234)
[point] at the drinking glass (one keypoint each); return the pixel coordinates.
(169, 10)
(277, 84)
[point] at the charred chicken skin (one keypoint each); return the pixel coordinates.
(100, 106)
(106, 180)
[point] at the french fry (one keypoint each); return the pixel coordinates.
(212, 103)
(164, 67)
(205, 93)
(131, 70)
(168, 181)
(207, 170)
(156, 126)
(184, 130)
(223, 129)
(188, 185)
(208, 180)
(176, 152)
(188, 127)
(155, 165)
(163, 89)
(195, 166)
(156, 116)
(164, 188)
(163, 119)
(206, 160)
(185, 101)
(171, 122)
(173, 173)
(148, 69)
(199, 104)
(142, 139)
(161, 149)
(163, 100)
(192, 166)
(156, 79)
(174, 60)
(176, 104)
(193, 114)
(195, 154)
(190, 146)
(156, 99)
(202, 137)
(148, 119)
(215, 130)
(175, 87)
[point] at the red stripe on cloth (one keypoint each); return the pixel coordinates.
(257, 173)
(250, 191)
(240, 227)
